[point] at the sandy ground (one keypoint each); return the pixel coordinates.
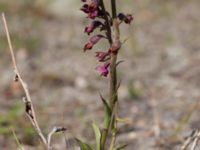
(159, 93)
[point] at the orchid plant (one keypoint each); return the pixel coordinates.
(108, 25)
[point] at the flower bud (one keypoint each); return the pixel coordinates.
(126, 18)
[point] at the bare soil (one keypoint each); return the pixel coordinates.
(159, 93)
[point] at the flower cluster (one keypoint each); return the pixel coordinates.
(101, 19)
(91, 8)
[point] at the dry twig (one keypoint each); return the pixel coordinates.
(27, 100)
(54, 130)
(29, 109)
(191, 140)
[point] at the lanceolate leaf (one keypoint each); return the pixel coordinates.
(97, 135)
(83, 146)
(107, 111)
(121, 147)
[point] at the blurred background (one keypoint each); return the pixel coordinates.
(159, 93)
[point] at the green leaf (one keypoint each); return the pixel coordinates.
(83, 146)
(97, 135)
(121, 147)
(107, 111)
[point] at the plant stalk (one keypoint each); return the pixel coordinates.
(113, 37)
(108, 28)
(113, 75)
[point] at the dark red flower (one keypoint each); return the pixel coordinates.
(85, 8)
(90, 28)
(93, 14)
(121, 16)
(126, 18)
(91, 9)
(102, 56)
(88, 46)
(103, 69)
(92, 41)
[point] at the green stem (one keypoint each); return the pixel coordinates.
(104, 134)
(113, 71)
(113, 95)
(108, 26)
(105, 131)
(114, 10)
(112, 144)
(113, 75)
